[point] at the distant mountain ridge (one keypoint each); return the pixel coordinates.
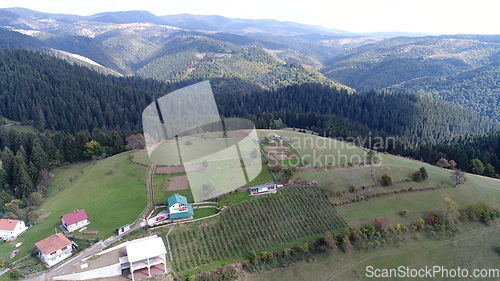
(266, 53)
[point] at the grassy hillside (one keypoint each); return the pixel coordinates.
(294, 215)
(112, 192)
(471, 249)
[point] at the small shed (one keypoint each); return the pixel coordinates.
(262, 189)
(122, 229)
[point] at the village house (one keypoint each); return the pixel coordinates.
(179, 208)
(10, 229)
(74, 220)
(54, 249)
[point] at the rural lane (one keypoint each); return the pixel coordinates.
(101, 245)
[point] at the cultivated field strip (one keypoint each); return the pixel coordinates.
(262, 223)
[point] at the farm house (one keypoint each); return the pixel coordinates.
(74, 220)
(54, 249)
(179, 208)
(10, 229)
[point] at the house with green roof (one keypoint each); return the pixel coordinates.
(179, 208)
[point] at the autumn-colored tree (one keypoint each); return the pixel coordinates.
(35, 199)
(346, 245)
(381, 223)
(93, 148)
(387, 179)
(135, 142)
(443, 163)
(451, 208)
(356, 236)
(417, 176)
(330, 243)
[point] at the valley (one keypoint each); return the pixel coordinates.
(364, 150)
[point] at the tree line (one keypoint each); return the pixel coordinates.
(27, 158)
(479, 154)
(411, 118)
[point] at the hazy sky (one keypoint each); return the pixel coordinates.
(430, 16)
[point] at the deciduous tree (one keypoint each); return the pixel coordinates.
(458, 177)
(387, 179)
(451, 209)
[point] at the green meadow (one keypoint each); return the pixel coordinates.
(470, 249)
(112, 192)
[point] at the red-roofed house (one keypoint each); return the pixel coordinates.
(54, 249)
(75, 220)
(10, 229)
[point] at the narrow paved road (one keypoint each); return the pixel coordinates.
(101, 245)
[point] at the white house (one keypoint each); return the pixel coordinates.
(145, 253)
(10, 229)
(179, 208)
(54, 249)
(75, 220)
(143, 257)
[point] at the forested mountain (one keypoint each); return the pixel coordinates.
(138, 42)
(460, 69)
(79, 105)
(477, 89)
(414, 119)
(396, 60)
(56, 95)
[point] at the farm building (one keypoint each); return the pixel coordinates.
(144, 253)
(136, 259)
(74, 220)
(10, 229)
(54, 249)
(123, 229)
(179, 208)
(263, 189)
